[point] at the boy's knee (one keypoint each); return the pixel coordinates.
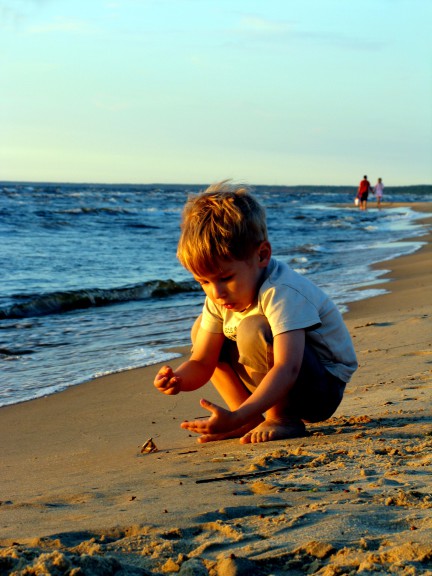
(254, 329)
(255, 343)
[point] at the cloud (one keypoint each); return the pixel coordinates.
(23, 14)
(342, 41)
(259, 29)
(15, 13)
(258, 25)
(64, 25)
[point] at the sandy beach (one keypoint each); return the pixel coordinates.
(77, 495)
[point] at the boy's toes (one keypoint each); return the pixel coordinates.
(256, 436)
(268, 431)
(246, 439)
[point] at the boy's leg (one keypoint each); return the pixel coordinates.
(228, 384)
(224, 378)
(316, 393)
(255, 342)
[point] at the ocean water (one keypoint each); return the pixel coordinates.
(90, 283)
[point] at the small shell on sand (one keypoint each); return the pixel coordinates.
(148, 447)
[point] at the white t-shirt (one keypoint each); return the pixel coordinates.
(379, 187)
(290, 301)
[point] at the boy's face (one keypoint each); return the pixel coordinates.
(237, 282)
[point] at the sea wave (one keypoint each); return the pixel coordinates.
(68, 300)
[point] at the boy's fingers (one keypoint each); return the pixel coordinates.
(208, 405)
(161, 382)
(213, 408)
(198, 426)
(165, 371)
(192, 426)
(166, 382)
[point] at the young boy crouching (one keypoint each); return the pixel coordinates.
(272, 343)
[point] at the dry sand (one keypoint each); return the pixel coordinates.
(353, 497)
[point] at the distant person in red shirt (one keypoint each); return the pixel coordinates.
(363, 192)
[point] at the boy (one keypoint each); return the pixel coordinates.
(271, 342)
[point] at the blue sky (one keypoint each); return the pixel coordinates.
(195, 91)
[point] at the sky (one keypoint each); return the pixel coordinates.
(280, 92)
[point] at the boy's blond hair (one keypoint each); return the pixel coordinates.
(223, 223)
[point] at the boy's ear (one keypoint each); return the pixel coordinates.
(264, 253)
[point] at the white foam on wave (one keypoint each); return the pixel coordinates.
(139, 358)
(147, 360)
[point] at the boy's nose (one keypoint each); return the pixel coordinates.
(218, 291)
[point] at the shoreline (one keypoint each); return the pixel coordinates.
(74, 482)
(398, 270)
(24, 377)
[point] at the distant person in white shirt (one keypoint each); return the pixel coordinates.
(378, 191)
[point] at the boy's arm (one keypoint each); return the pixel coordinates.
(196, 371)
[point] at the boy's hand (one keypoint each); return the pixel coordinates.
(166, 381)
(220, 421)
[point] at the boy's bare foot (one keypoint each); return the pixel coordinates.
(274, 430)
